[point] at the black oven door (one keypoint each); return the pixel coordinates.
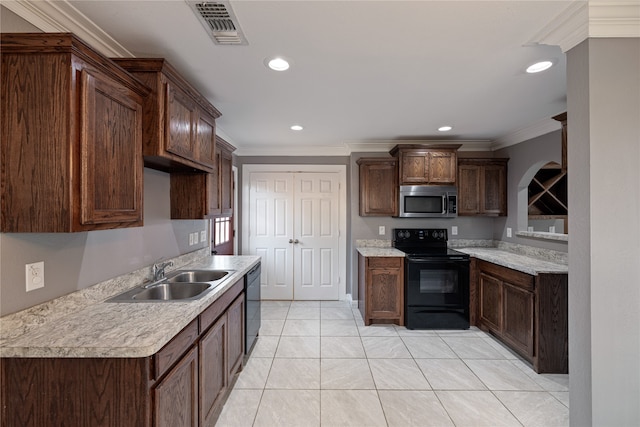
(437, 293)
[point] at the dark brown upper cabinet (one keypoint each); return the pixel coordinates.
(482, 187)
(71, 127)
(179, 123)
(205, 195)
(378, 186)
(426, 164)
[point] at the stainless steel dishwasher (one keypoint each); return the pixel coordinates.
(252, 307)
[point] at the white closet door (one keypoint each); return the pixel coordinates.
(294, 227)
(316, 267)
(271, 228)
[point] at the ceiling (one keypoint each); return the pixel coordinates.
(363, 74)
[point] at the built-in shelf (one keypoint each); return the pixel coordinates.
(548, 193)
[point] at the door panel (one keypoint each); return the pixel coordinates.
(294, 227)
(316, 229)
(271, 227)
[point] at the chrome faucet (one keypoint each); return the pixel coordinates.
(158, 270)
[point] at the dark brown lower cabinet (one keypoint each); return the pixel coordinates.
(184, 384)
(527, 313)
(381, 289)
(213, 370)
(176, 396)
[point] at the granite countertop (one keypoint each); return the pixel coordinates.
(523, 263)
(380, 252)
(106, 329)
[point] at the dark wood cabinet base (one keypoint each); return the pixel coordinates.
(527, 313)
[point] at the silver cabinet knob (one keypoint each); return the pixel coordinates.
(296, 241)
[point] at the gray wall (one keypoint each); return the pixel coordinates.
(603, 100)
(525, 159)
(75, 261)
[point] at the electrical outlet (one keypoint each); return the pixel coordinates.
(203, 236)
(382, 230)
(454, 230)
(34, 275)
(552, 229)
(508, 231)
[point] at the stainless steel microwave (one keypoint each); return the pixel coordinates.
(428, 201)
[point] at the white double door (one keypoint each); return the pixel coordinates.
(294, 227)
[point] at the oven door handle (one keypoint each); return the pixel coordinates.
(448, 260)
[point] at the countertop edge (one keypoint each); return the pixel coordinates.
(16, 348)
(522, 263)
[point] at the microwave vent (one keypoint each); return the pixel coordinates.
(220, 22)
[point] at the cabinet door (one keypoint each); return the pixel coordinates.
(206, 140)
(213, 189)
(111, 152)
(235, 343)
(518, 317)
(384, 293)
(226, 183)
(494, 191)
(378, 188)
(180, 118)
(413, 167)
(469, 189)
(213, 369)
(442, 167)
(491, 302)
(176, 396)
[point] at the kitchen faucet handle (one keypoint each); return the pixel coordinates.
(158, 269)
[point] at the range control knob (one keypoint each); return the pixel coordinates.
(434, 234)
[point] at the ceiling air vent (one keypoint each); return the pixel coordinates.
(220, 21)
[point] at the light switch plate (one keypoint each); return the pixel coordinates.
(382, 230)
(508, 231)
(203, 236)
(454, 230)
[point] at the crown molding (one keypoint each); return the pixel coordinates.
(60, 16)
(534, 130)
(283, 151)
(597, 19)
(614, 19)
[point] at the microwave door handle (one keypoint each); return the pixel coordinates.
(444, 203)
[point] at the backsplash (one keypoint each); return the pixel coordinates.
(73, 302)
(534, 252)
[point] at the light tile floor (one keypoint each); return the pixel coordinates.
(316, 364)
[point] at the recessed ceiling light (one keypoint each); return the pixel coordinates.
(445, 128)
(296, 127)
(278, 64)
(539, 66)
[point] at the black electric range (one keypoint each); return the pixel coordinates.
(436, 279)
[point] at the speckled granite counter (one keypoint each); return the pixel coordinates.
(381, 252)
(104, 329)
(514, 261)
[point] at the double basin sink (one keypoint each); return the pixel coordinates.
(181, 285)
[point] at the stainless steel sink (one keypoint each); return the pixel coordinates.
(181, 285)
(192, 276)
(171, 291)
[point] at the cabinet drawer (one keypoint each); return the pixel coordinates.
(211, 313)
(171, 353)
(384, 262)
(513, 277)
